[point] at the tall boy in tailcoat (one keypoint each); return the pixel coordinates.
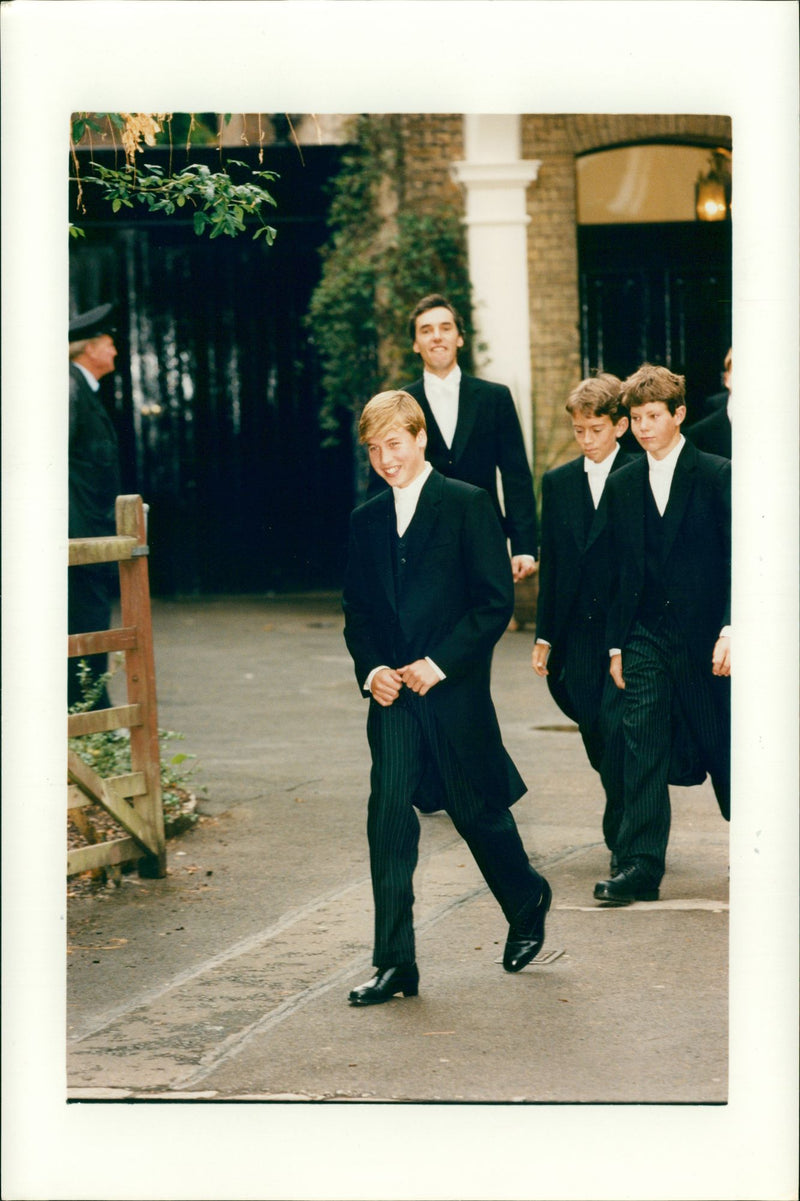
(668, 630)
(473, 428)
(428, 593)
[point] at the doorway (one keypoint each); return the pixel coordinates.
(216, 395)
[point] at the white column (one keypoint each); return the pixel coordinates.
(495, 180)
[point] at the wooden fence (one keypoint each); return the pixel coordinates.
(133, 800)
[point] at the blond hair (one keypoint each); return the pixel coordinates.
(390, 410)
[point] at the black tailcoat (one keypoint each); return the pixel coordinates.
(455, 602)
(488, 437)
(671, 604)
(696, 566)
(713, 434)
(575, 571)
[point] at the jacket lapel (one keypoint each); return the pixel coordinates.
(600, 519)
(633, 498)
(679, 493)
(436, 443)
(575, 498)
(381, 528)
(468, 405)
(425, 515)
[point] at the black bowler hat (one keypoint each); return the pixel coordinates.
(92, 324)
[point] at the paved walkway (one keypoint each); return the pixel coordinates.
(228, 979)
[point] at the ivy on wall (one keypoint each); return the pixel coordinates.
(384, 254)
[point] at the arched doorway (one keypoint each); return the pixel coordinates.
(655, 282)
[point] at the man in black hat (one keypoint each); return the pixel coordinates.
(94, 481)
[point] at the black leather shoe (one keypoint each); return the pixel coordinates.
(630, 884)
(613, 866)
(386, 983)
(526, 934)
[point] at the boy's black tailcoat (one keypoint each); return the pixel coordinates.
(696, 561)
(488, 438)
(454, 603)
(575, 570)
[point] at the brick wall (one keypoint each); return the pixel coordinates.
(433, 141)
(556, 140)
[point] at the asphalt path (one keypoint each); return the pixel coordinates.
(228, 979)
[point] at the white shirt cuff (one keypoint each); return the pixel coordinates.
(372, 675)
(438, 670)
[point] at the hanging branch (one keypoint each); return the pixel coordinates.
(220, 205)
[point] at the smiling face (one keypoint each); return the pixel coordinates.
(437, 340)
(655, 428)
(597, 435)
(398, 456)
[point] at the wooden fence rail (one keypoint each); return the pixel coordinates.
(133, 800)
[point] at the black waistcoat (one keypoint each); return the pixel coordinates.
(654, 604)
(399, 562)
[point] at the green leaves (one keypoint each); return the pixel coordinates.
(108, 752)
(95, 123)
(222, 207)
(380, 259)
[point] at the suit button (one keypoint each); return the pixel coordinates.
(402, 560)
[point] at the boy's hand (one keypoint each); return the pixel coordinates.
(539, 658)
(615, 667)
(721, 658)
(419, 676)
(523, 566)
(385, 686)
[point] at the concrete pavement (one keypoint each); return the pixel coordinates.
(228, 979)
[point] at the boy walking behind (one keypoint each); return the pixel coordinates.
(668, 629)
(428, 593)
(575, 582)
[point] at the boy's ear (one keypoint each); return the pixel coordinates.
(621, 426)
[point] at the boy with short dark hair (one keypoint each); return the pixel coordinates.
(668, 628)
(575, 582)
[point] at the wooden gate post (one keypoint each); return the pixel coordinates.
(134, 587)
(134, 800)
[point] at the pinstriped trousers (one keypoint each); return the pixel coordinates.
(657, 667)
(405, 740)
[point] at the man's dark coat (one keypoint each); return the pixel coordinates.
(94, 484)
(94, 474)
(487, 437)
(454, 603)
(696, 566)
(713, 434)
